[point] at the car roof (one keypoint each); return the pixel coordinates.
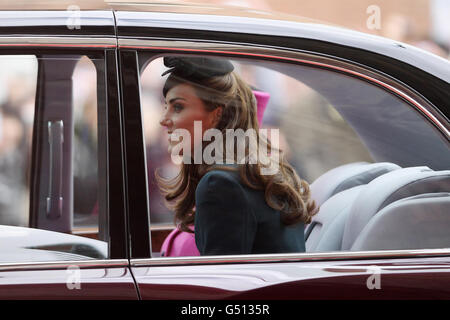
(412, 55)
(416, 67)
(97, 19)
(152, 6)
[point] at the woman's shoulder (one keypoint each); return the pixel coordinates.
(218, 175)
(219, 178)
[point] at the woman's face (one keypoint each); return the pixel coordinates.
(181, 109)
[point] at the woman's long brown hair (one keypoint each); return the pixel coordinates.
(284, 191)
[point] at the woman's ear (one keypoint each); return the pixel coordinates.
(216, 115)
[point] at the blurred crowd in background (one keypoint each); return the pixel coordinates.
(18, 80)
(17, 91)
(423, 23)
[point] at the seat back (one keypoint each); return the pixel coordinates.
(334, 192)
(325, 231)
(417, 222)
(386, 189)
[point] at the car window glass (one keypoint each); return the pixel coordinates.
(85, 157)
(49, 203)
(337, 132)
(18, 78)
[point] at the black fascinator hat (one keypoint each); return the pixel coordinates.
(197, 68)
(193, 69)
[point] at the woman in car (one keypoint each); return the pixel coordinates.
(243, 206)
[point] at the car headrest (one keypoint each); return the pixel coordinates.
(387, 189)
(347, 176)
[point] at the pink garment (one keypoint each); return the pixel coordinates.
(181, 244)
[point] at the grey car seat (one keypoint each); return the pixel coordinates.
(417, 222)
(325, 231)
(376, 207)
(335, 192)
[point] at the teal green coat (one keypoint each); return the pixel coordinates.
(232, 218)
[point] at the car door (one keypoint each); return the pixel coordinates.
(63, 229)
(360, 110)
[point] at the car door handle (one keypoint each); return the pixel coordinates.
(56, 140)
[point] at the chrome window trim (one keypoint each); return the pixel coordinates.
(284, 55)
(55, 265)
(39, 41)
(291, 257)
